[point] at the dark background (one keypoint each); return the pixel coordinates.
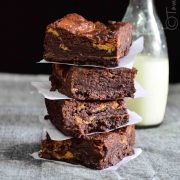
(23, 24)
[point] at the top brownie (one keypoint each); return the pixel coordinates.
(73, 39)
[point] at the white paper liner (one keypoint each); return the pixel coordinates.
(44, 89)
(137, 152)
(140, 91)
(55, 134)
(45, 86)
(126, 61)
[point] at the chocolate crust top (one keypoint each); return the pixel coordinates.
(98, 31)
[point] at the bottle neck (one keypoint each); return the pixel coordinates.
(142, 14)
(145, 5)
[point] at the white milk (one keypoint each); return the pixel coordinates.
(153, 75)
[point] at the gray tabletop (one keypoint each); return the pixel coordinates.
(21, 108)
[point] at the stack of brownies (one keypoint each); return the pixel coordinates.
(95, 109)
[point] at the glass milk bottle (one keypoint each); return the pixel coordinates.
(152, 63)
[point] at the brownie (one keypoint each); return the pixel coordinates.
(88, 83)
(79, 118)
(73, 39)
(98, 151)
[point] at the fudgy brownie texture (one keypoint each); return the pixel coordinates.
(74, 39)
(98, 151)
(79, 118)
(87, 83)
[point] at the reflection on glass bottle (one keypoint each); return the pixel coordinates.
(152, 64)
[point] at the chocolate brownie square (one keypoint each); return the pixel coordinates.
(88, 83)
(73, 39)
(79, 118)
(98, 151)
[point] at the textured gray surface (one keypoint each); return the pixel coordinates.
(21, 107)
